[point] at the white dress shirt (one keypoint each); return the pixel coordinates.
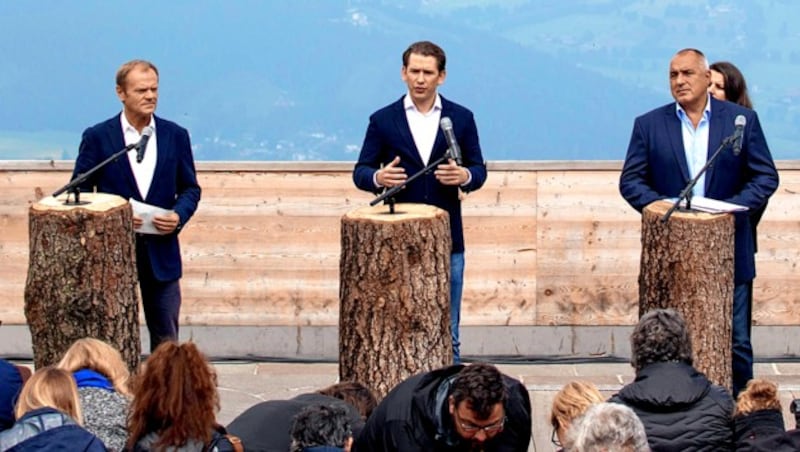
(143, 172)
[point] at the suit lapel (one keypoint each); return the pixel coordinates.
(675, 134)
(401, 121)
(716, 126)
(118, 142)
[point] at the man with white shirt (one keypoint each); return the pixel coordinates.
(404, 137)
(669, 146)
(163, 176)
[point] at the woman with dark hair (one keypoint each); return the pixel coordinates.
(679, 407)
(175, 402)
(727, 83)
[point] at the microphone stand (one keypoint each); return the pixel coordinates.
(73, 185)
(392, 191)
(687, 191)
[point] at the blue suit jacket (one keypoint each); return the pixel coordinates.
(655, 168)
(174, 182)
(388, 136)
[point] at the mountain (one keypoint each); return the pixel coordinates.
(297, 80)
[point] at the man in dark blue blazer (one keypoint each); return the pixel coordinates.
(669, 146)
(404, 137)
(165, 177)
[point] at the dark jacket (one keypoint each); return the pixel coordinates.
(48, 430)
(174, 184)
(655, 168)
(680, 408)
(389, 136)
(412, 418)
(762, 431)
(10, 386)
(266, 426)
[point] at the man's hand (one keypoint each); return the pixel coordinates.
(137, 222)
(166, 223)
(391, 174)
(451, 174)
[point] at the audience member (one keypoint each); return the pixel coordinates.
(453, 408)
(727, 83)
(608, 427)
(679, 407)
(175, 402)
(265, 426)
(321, 428)
(569, 403)
(12, 378)
(102, 379)
(758, 420)
(49, 416)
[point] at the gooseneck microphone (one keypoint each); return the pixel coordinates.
(738, 134)
(141, 146)
(450, 136)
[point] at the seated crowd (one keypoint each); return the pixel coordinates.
(90, 402)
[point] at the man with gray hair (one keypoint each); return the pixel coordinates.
(679, 407)
(608, 427)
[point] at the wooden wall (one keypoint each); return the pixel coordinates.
(548, 243)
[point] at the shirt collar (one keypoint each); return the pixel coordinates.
(127, 125)
(408, 104)
(706, 111)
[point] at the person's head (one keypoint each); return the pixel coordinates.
(50, 387)
(355, 394)
(569, 403)
(660, 336)
(175, 396)
(99, 356)
(759, 395)
(727, 83)
(477, 402)
(689, 79)
(608, 427)
(423, 71)
(137, 89)
(321, 425)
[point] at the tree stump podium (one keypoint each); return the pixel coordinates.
(394, 315)
(82, 278)
(687, 265)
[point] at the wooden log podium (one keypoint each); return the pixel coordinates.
(687, 265)
(394, 317)
(82, 278)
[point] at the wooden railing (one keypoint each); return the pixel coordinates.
(548, 243)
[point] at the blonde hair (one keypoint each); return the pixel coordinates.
(126, 68)
(99, 356)
(759, 395)
(572, 401)
(50, 387)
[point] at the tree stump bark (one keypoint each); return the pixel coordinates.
(82, 278)
(687, 265)
(394, 317)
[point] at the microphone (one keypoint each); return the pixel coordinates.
(142, 144)
(739, 122)
(450, 136)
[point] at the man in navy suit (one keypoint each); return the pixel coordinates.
(403, 137)
(670, 145)
(165, 177)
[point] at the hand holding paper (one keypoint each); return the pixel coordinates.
(155, 220)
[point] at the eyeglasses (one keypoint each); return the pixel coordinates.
(554, 438)
(494, 428)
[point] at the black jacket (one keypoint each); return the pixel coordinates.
(680, 408)
(410, 418)
(762, 431)
(266, 426)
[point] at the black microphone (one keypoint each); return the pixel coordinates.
(450, 136)
(739, 122)
(142, 144)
